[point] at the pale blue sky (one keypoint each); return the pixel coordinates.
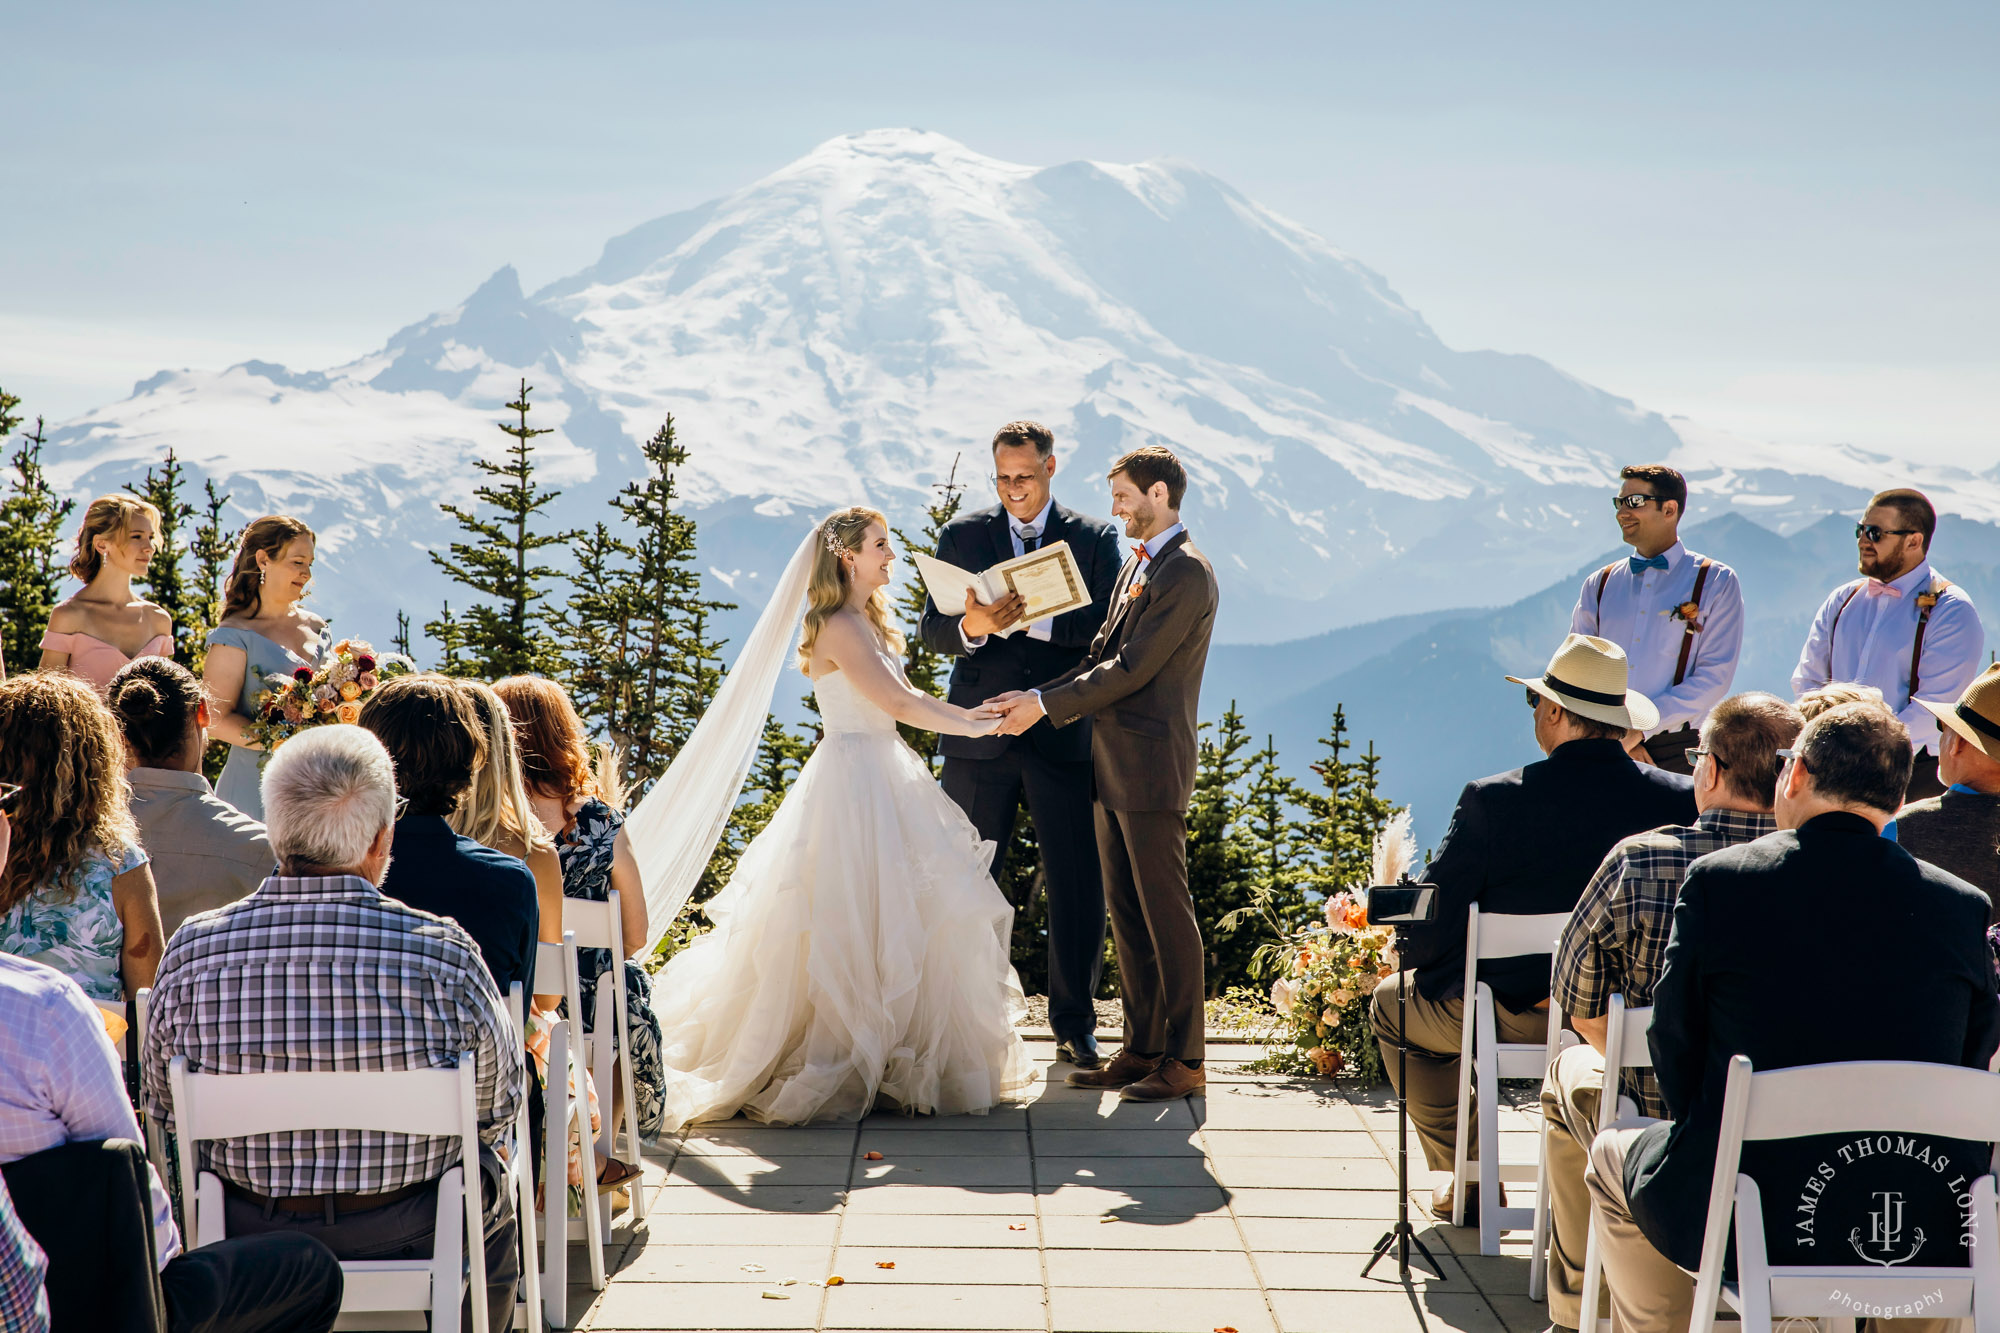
(1776, 218)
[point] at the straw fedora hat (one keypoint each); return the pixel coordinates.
(1587, 676)
(1976, 715)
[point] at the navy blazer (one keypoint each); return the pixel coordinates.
(489, 893)
(977, 542)
(1810, 946)
(1527, 842)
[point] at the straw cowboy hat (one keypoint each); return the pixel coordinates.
(1976, 715)
(1587, 676)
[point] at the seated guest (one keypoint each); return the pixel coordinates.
(1523, 843)
(205, 852)
(1959, 831)
(495, 813)
(61, 1082)
(24, 1303)
(312, 968)
(77, 893)
(1617, 937)
(596, 858)
(1814, 702)
(1764, 935)
(436, 740)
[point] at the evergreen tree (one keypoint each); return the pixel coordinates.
(213, 548)
(1346, 814)
(506, 635)
(165, 581)
(450, 636)
(399, 642)
(926, 669)
(1222, 855)
(32, 521)
(643, 660)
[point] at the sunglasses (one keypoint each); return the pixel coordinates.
(1639, 501)
(1534, 699)
(1875, 532)
(10, 796)
(402, 804)
(1695, 754)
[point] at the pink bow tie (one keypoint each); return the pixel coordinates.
(1877, 588)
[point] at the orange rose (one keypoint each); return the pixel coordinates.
(349, 712)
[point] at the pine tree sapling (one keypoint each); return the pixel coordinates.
(32, 522)
(165, 581)
(213, 548)
(507, 634)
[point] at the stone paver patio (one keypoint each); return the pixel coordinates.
(1251, 1209)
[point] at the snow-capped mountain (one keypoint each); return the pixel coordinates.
(850, 326)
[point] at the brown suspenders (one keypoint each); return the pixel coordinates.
(1687, 635)
(1938, 584)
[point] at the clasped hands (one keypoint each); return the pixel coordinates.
(1017, 710)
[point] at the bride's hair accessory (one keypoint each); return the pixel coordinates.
(833, 541)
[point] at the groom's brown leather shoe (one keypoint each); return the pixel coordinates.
(1170, 1082)
(1124, 1068)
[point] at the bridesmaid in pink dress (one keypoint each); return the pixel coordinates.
(104, 626)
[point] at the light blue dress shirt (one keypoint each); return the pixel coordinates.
(1637, 614)
(1873, 639)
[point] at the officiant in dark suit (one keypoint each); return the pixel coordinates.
(986, 775)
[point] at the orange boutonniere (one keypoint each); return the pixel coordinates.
(1690, 613)
(1138, 585)
(1926, 600)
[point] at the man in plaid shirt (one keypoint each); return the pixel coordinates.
(1616, 942)
(316, 970)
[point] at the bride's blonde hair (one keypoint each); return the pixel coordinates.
(841, 533)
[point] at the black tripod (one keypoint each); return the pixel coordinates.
(1402, 1235)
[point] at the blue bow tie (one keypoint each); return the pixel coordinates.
(1640, 566)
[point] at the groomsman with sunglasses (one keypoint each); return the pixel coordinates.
(1902, 627)
(1677, 614)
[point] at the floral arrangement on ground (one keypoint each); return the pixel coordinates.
(1315, 1019)
(334, 693)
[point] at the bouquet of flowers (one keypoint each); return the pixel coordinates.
(1330, 970)
(333, 693)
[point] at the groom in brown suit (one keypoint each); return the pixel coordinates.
(1140, 682)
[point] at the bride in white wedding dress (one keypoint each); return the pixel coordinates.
(859, 954)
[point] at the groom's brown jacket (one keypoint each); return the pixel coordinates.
(1141, 681)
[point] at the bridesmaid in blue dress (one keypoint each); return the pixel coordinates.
(264, 632)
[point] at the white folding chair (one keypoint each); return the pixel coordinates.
(565, 1106)
(1855, 1097)
(599, 926)
(1625, 1047)
(528, 1306)
(440, 1103)
(156, 1143)
(1482, 1053)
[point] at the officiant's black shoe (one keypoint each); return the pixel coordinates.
(1170, 1082)
(1125, 1067)
(1079, 1051)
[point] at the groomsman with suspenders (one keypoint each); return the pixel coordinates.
(1677, 614)
(1902, 627)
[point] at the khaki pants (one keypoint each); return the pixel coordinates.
(1434, 1033)
(1570, 1096)
(1648, 1293)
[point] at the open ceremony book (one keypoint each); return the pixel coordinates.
(1048, 581)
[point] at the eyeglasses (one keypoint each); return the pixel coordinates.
(1788, 755)
(1695, 754)
(1875, 532)
(1638, 501)
(1012, 479)
(10, 796)
(402, 804)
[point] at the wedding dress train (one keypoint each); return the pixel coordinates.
(859, 953)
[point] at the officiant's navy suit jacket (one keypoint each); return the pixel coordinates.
(1815, 945)
(978, 541)
(1526, 843)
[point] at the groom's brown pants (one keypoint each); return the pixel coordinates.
(1160, 972)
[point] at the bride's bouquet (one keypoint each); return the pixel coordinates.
(332, 694)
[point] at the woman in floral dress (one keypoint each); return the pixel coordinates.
(77, 893)
(555, 762)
